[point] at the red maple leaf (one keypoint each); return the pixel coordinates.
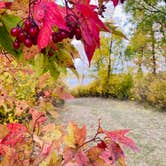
(119, 136)
(16, 134)
(115, 2)
(5, 4)
(90, 26)
(112, 153)
(108, 157)
(2, 5)
(48, 14)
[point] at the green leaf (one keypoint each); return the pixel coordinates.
(6, 41)
(53, 69)
(10, 21)
(39, 64)
(64, 59)
(115, 31)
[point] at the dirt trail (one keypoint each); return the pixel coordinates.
(148, 126)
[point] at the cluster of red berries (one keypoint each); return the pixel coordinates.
(26, 34)
(74, 30)
(62, 34)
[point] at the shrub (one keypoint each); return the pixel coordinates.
(118, 87)
(152, 89)
(156, 94)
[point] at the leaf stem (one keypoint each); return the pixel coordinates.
(95, 136)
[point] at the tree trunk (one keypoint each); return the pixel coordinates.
(109, 62)
(108, 71)
(154, 67)
(140, 61)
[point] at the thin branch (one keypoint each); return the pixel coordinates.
(95, 136)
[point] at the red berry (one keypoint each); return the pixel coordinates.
(27, 24)
(15, 31)
(33, 31)
(55, 37)
(16, 44)
(78, 37)
(34, 40)
(28, 42)
(71, 34)
(50, 53)
(43, 51)
(63, 34)
(21, 36)
(78, 34)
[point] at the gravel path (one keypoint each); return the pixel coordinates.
(148, 126)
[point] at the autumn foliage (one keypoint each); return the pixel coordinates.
(37, 142)
(42, 34)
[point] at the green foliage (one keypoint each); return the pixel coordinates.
(6, 41)
(8, 21)
(120, 86)
(148, 41)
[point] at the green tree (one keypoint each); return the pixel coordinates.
(149, 17)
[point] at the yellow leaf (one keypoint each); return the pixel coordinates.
(76, 136)
(69, 139)
(115, 31)
(52, 135)
(80, 135)
(68, 46)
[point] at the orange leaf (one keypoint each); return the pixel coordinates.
(93, 155)
(76, 136)
(3, 131)
(121, 161)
